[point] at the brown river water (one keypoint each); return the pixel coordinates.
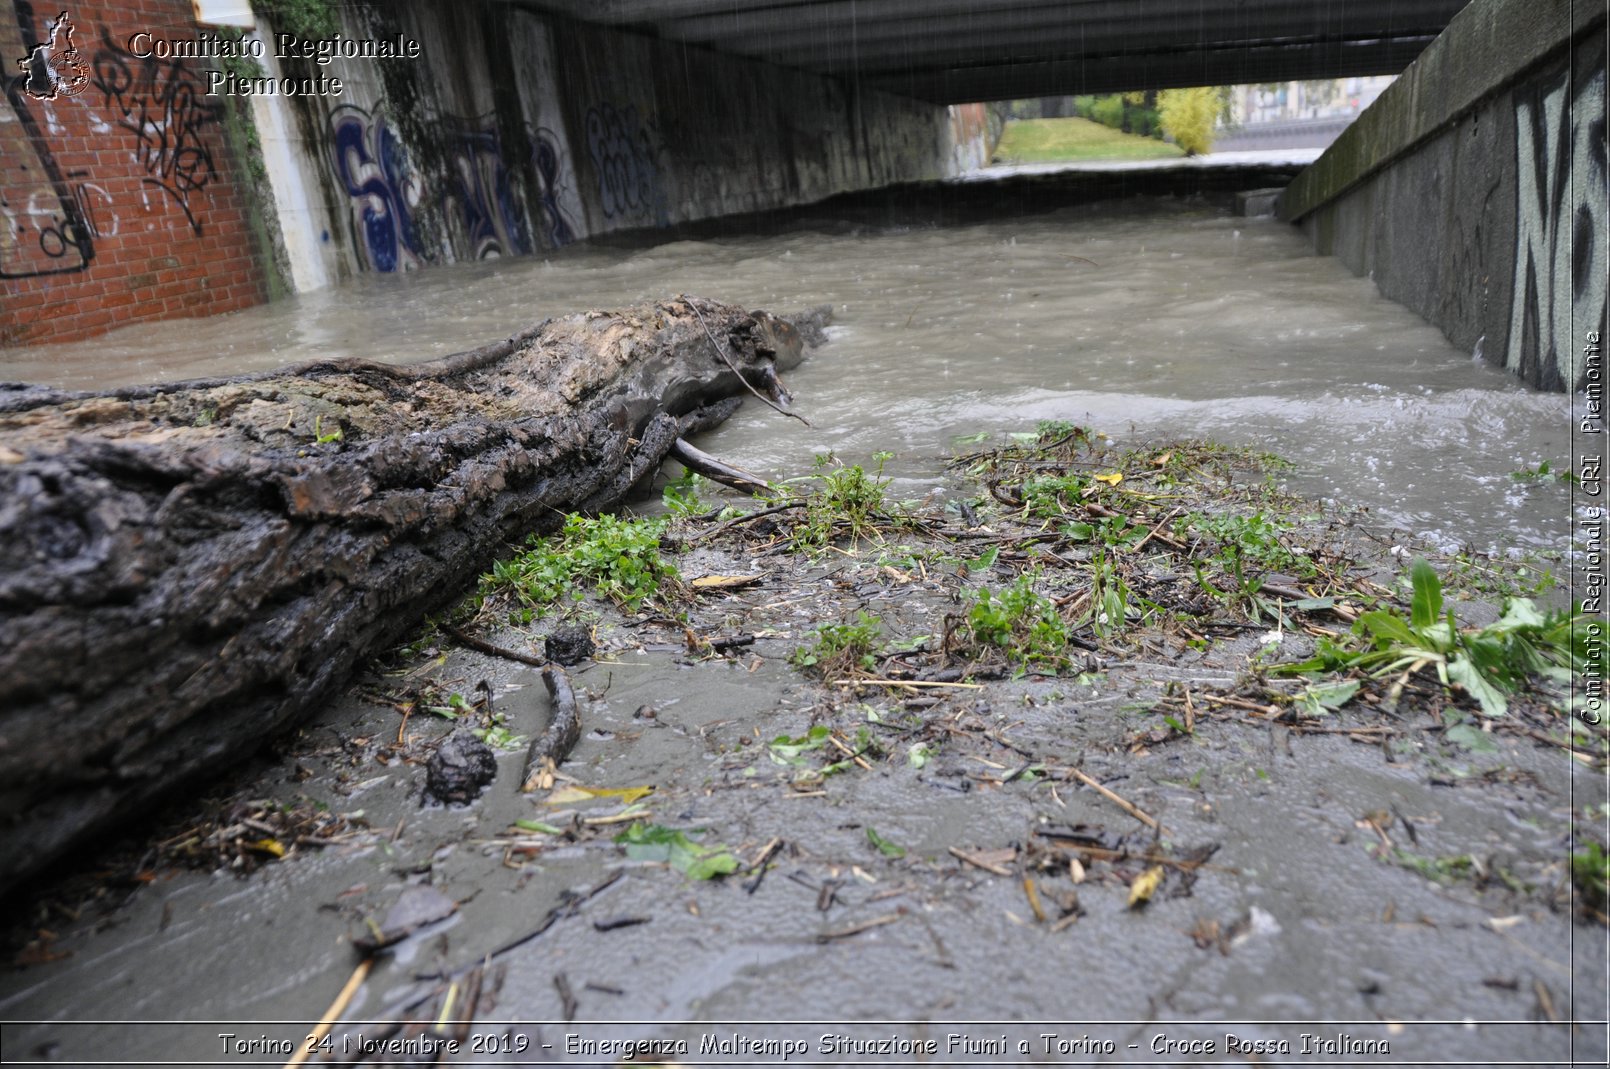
(1175, 321)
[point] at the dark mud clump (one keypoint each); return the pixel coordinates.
(569, 645)
(460, 768)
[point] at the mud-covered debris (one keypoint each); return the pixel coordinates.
(569, 645)
(249, 834)
(460, 768)
(415, 908)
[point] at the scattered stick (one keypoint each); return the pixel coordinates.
(857, 929)
(549, 750)
(698, 460)
(1115, 799)
(1034, 899)
(853, 755)
(1157, 533)
(1105, 854)
(760, 867)
(337, 1008)
(903, 683)
(963, 856)
(489, 648)
(745, 518)
(567, 997)
(1242, 703)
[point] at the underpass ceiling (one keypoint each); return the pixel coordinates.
(960, 51)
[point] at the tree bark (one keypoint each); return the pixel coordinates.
(189, 568)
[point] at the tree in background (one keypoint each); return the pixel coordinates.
(1188, 116)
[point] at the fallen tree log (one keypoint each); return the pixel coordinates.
(187, 569)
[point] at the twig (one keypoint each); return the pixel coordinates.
(854, 755)
(962, 855)
(857, 929)
(337, 1008)
(1106, 854)
(736, 520)
(567, 997)
(491, 649)
(1115, 799)
(1242, 703)
(761, 865)
(721, 352)
(1034, 899)
(549, 750)
(1157, 533)
(903, 683)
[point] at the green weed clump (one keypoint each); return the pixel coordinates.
(848, 501)
(1256, 539)
(617, 558)
(1488, 663)
(1590, 872)
(1020, 622)
(681, 495)
(838, 648)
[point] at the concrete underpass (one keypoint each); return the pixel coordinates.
(1240, 398)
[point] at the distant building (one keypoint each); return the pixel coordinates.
(1282, 101)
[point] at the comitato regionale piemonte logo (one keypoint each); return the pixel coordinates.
(54, 68)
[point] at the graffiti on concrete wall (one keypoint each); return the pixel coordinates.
(478, 198)
(624, 156)
(549, 159)
(1559, 280)
(383, 188)
(482, 198)
(163, 107)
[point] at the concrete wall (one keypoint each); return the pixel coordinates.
(1474, 190)
(121, 198)
(516, 133)
(139, 196)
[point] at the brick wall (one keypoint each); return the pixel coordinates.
(119, 203)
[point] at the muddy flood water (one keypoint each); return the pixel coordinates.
(1330, 927)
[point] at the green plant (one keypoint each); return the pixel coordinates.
(846, 501)
(1051, 431)
(886, 847)
(1109, 595)
(1114, 531)
(1049, 496)
(457, 706)
(652, 842)
(681, 495)
(1526, 574)
(304, 18)
(619, 558)
(1590, 872)
(1488, 663)
(1256, 539)
(323, 437)
(1188, 116)
(846, 646)
(1438, 869)
(1108, 111)
(1019, 621)
(1543, 473)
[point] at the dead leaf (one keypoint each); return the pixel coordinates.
(570, 795)
(268, 846)
(1144, 886)
(707, 583)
